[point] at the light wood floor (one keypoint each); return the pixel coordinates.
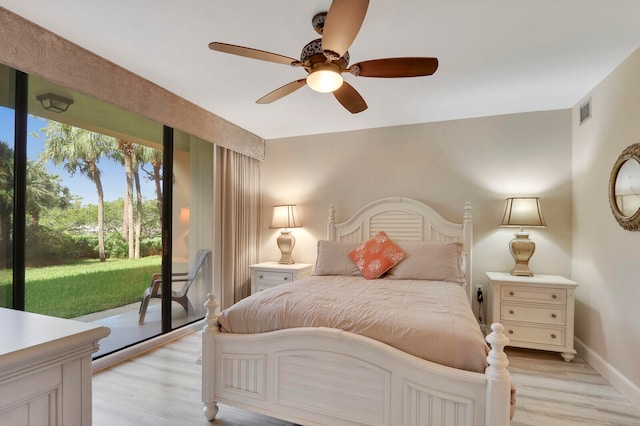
(163, 388)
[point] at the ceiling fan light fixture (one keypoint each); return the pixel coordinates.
(324, 80)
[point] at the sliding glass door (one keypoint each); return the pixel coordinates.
(96, 201)
(192, 209)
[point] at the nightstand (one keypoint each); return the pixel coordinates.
(537, 312)
(270, 274)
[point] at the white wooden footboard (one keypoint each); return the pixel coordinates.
(324, 376)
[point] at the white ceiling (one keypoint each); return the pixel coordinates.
(496, 56)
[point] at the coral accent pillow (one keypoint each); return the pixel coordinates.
(376, 256)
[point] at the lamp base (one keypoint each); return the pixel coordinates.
(286, 242)
(522, 248)
(521, 271)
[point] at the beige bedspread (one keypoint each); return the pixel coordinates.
(428, 319)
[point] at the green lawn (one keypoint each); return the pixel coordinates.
(90, 286)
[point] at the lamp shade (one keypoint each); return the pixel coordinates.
(285, 216)
(523, 211)
(183, 219)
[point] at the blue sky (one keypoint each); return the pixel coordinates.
(113, 178)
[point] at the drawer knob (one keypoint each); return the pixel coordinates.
(261, 276)
(511, 312)
(555, 296)
(510, 331)
(553, 336)
(554, 316)
(510, 293)
(286, 278)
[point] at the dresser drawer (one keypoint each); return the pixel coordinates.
(553, 315)
(532, 334)
(556, 296)
(271, 278)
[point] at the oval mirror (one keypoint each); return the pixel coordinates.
(624, 188)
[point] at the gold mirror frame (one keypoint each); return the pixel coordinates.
(628, 222)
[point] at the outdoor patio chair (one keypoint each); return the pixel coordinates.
(155, 287)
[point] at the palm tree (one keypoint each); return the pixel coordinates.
(6, 202)
(44, 190)
(79, 150)
(133, 157)
(124, 156)
(137, 159)
(154, 157)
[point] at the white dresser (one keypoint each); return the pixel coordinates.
(45, 369)
(537, 312)
(269, 274)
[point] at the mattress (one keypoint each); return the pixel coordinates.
(428, 319)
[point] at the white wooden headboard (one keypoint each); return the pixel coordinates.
(404, 219)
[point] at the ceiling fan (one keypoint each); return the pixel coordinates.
(326, 58)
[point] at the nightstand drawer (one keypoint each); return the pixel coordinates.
(532, 334)
(273, 278)
(555, 296)
(260, 287)
(554, 315)
(270, 274)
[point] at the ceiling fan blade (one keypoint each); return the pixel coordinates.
(248, 52)
(350, 98)
(283, 91)
(395, 67)
(341, 26)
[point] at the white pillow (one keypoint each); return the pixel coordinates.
(333, 259)
(434, 261)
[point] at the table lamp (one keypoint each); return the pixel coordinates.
(285, 216)
(522, 211)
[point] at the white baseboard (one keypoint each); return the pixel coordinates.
(135, 350)
(625, 386)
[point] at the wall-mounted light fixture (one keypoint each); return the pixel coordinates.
(285, 217)
(521, 212)
(54, 103)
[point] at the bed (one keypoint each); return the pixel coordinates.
(322, 375)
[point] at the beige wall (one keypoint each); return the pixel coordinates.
(444, 164)
(606, 258)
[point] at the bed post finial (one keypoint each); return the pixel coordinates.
(497, 359)
(498, 379)
(467, 239)
(468, 217)
(331, 224)
(208, 350)
(211, 318)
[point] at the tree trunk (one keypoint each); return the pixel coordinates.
(126, 207)
(5, 241)
(157, 166)
(136, 177)
(127, 214)
(96, 179)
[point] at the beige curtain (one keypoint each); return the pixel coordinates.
(240, 222)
